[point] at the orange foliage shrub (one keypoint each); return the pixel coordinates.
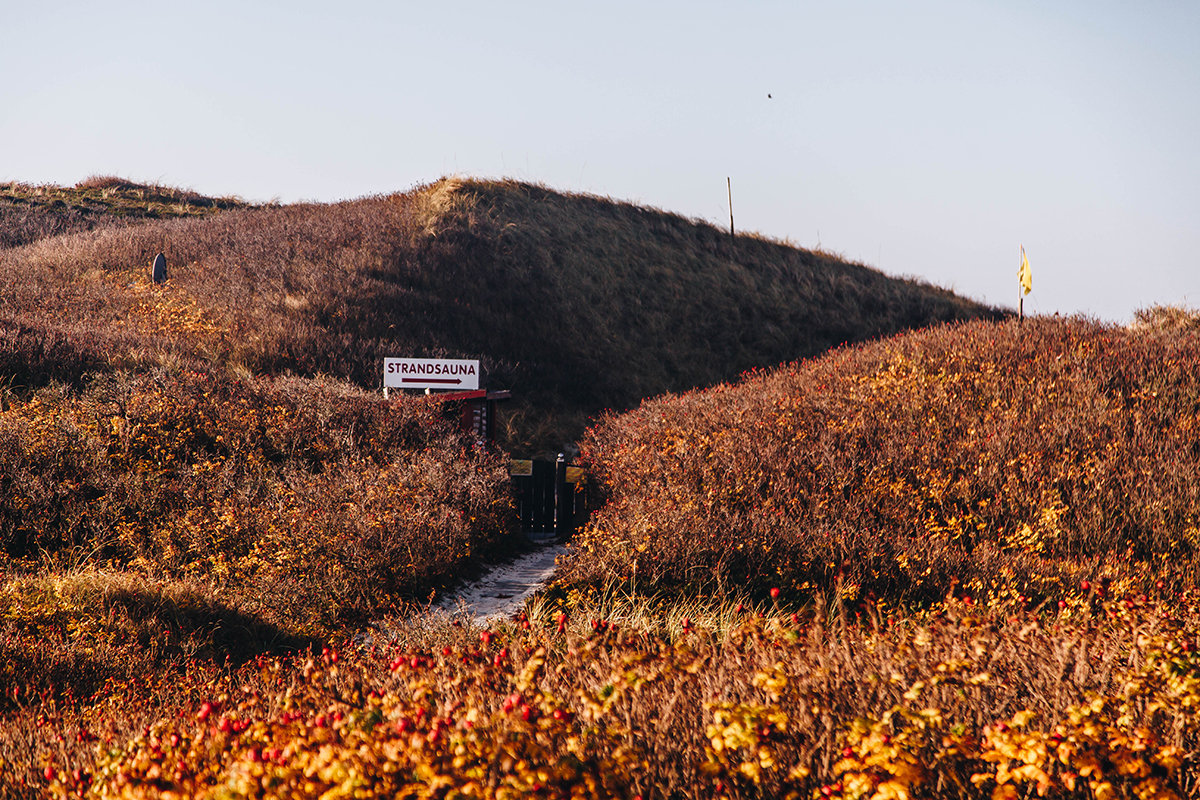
(306, 504)
(991, 457)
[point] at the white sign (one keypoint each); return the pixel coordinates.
(430, 373)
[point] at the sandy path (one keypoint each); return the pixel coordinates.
(504, 588)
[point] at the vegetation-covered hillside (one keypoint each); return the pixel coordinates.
(987, 459)
(576, 303)
(215, 532)
(957, 563)
(29, 213)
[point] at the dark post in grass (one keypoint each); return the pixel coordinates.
(158, 270)
(562, 517)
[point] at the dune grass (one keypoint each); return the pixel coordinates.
(956, 562)
(576, 303)
(32, 212)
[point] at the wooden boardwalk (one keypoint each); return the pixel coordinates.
(502, 591)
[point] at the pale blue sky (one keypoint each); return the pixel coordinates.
(925, 138)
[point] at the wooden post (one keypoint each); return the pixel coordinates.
(729, 188)
(562, 516)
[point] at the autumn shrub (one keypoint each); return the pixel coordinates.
(1094, 699)
(306, 504)
(983, 458)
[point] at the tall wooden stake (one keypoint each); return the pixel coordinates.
(729, 188)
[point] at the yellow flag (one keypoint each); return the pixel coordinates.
(1024, 274)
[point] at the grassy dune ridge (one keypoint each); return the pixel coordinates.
(29, 213)
(576, 303)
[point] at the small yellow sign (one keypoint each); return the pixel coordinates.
(574, 474)
(521, 469)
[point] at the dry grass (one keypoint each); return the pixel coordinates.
(1028, 681)
(576, 303)
(1166, 318)
(29, 213)
(194, 485)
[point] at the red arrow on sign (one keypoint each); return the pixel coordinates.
(455, 381)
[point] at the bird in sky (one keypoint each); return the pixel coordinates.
(768, 95)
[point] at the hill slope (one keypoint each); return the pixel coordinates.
(999, 459)
(576, 303)
(29, 213)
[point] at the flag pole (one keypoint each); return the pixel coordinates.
(1020, 290)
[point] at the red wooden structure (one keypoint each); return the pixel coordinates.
(475, 411)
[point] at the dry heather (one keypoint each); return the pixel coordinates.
(29, 213)
(576, 303)
(986, 459)
(1095, 700)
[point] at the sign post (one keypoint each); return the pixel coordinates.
(447, 374)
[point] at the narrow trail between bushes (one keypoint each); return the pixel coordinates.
(501, 591)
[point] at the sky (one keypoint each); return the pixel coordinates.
(928, 139)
